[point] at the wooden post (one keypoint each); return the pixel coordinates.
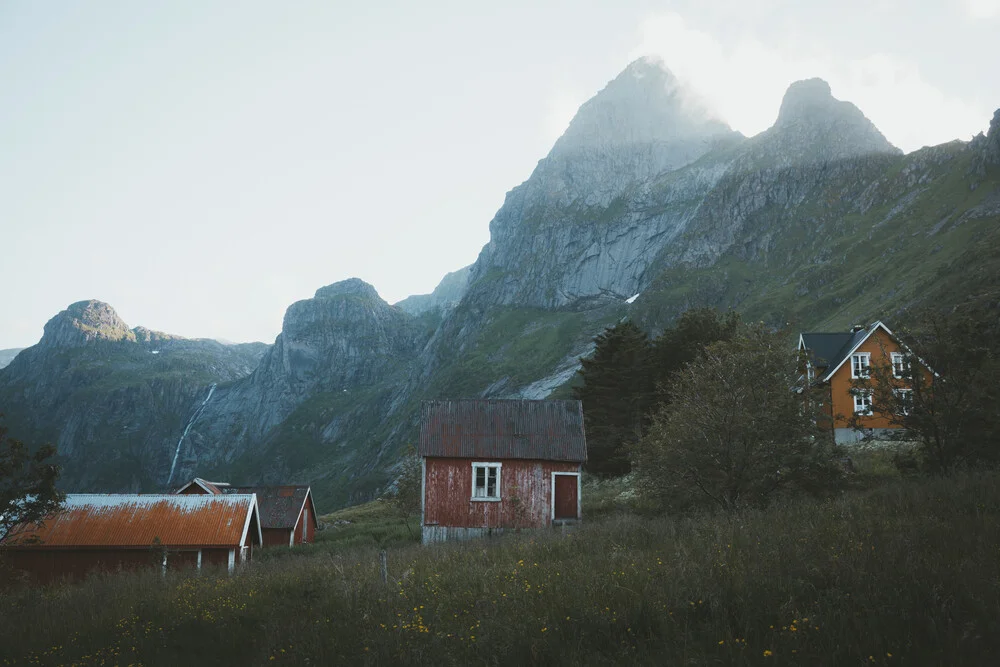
(383, 566)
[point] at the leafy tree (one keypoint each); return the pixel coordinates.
(735, 430)
(28, 491)
(405, 498)
(952, 413)
(617, 394)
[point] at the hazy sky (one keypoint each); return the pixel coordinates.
(201, 165)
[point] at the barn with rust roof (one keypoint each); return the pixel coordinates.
(287, 513)
(128, 531)
(490, 465)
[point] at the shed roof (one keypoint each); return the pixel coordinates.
(205, 485)
(280, 506)
(138, 520)
(550, 430)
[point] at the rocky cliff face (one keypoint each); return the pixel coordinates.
(619, 184)
(83, 322)
(445, 296)
(988, 146)
(343, 345)
(647, 206)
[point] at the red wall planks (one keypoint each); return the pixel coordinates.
(525, 493)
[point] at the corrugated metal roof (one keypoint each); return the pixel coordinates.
(136, 520)
(279, 505)
(499, 428)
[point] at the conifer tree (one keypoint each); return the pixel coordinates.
(616, 393)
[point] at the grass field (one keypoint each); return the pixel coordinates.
(907, 573)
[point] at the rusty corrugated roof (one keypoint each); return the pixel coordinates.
(280, 506)
(502, 428)
(138, 520)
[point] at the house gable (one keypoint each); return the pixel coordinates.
(855, 344)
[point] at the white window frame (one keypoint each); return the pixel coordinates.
(902, 364)
(486, 465)
(905, 408)
(579, 513)
(866, 358)
(862, 394)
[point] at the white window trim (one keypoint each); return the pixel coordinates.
(867, 356)
(486, 464)
(863, 393)
(232, 560)
(902, 362)
(899, 394)
(552, 502)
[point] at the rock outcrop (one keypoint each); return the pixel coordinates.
(445, 296)
(987, 146)
(83, 322)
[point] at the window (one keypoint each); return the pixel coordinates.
(862, 402)
(905, 398)
(859, 364)
(486, 481)
(898, 365)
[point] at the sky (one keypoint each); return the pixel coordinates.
(200, 165)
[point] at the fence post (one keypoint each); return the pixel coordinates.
(383, 563)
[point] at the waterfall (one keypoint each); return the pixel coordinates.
(173, 466)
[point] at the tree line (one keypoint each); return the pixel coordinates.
(720, 411)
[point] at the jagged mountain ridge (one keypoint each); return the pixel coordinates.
(818, 220)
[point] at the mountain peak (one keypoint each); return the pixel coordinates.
(349, 287)
(644, 103)
(813, 126)
(648, 66)
(805, 98)
(83, 322)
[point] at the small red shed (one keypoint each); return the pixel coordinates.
(287, 513)
(129, 531)
(490, 465)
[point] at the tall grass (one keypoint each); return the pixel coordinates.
(907, 573)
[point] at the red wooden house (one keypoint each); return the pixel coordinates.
(128, 531)
(490, 465)
(287, 513)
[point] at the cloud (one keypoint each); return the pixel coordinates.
(982, 9)
(744, 79)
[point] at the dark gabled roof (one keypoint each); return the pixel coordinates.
(825, 348)
(279, 506)
(820, 346)
(549, 430)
